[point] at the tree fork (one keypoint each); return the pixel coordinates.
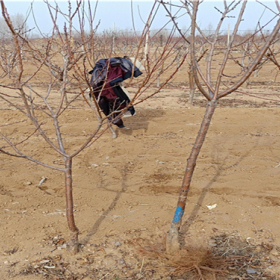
(172, 242)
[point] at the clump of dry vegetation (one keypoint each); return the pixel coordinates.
(226, 257)
(189, 260)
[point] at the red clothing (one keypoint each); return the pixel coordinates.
(113, 73)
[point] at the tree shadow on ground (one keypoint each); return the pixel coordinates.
(219, 170)
(113, 204)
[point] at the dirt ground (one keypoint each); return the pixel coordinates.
(126, 190)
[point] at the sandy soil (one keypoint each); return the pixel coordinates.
(126, 190)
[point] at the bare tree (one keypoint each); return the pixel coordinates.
(213, 87)
(51, 80)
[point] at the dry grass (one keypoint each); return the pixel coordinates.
(191, 262)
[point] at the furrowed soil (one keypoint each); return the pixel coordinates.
(126, 190)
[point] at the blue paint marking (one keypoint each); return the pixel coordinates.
(178, 214)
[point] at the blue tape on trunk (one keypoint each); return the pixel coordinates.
(178, 214)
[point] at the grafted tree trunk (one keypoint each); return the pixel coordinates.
(172, 244)
(212, 91)
(73, 243)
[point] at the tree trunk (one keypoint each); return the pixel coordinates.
(192, 87)
(73, 243)
(172, 242)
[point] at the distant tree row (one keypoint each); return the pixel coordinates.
(19, 22)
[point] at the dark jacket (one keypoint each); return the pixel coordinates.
(105, 79)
